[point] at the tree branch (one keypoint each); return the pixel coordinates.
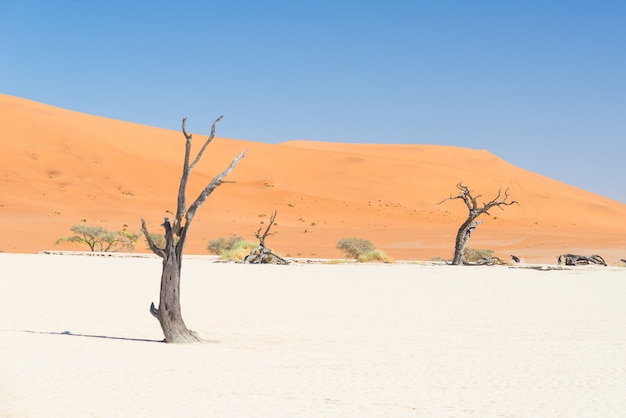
(208, 141)
(465, 195)
(217, 180)
(187, 136)
(498, 203)
(260, 237)
(187, 168)
(158, 251)
(154, 311)
(181, 205)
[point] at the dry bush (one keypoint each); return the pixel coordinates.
(355, 247)
(377, 256)
(239, 250)
(221, 244)
(473, 255)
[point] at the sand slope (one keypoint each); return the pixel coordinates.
(60, 168)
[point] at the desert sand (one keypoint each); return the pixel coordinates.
(60, 168)
(346, 340)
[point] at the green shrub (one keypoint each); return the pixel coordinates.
(355, 247)
(238, 251)
(101, 239)
(473, 255)
(374, 256)
(218, 245)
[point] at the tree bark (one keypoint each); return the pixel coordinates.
(462, 236)
(169, 312)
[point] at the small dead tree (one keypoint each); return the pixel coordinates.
(261, 254)
(169, 312)
(475, 210)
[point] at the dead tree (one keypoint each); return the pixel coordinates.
(169, 312)
(576, 260)
(261, 254)
(475, 210)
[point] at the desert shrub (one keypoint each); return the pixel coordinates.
(334, 261)
(218, 245)
(355, 247)
(238, 251)
(374, 256)
(473, 255)
(437, 258)
(101, 239)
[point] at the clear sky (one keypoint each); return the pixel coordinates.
(540, 83)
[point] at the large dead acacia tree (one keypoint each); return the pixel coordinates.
(169, 313)
(475, 210)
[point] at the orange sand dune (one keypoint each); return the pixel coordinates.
(60, 168)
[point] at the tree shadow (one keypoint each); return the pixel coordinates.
(105, 337)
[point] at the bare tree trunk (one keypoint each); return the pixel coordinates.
(460, 243)
(462, 237)
(169, 311)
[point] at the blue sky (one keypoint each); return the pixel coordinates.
(541, 84)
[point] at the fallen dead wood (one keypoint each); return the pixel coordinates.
(576, 260)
